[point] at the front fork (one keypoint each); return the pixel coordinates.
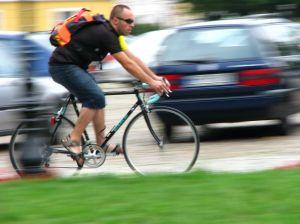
(146, 111)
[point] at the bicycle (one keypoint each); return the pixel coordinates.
(150, 141)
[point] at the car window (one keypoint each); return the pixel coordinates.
(10, 60)
(147, 45)
(286, 37)
(42, 39)
(209, 43)
(39, 51)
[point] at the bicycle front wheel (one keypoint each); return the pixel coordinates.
(164, 140)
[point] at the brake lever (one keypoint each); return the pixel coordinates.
(168, 91)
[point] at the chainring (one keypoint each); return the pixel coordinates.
(94, 155)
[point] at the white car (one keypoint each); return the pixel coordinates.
(145, 46)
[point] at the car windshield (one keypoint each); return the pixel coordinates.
(42, 39)
(207, 44)
(10, 60)
(147, 45)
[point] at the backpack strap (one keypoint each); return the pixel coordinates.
(79, 14)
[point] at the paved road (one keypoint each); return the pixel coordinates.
(233, 148)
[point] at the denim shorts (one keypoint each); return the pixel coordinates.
(80, 83)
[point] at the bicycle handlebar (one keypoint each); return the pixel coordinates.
(152, 99)
(141, 85)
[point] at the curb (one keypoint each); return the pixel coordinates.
(292, 165)
(8, 175)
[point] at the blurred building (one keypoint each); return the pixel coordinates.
(41, 15)
(166, 13)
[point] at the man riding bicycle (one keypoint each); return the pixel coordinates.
(68, 66)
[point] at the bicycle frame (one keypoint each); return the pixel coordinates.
(71, 100)
(95, 155)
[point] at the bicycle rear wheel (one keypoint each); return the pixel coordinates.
(52, 155)
(161, 150)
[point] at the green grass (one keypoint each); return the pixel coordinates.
(265, 197)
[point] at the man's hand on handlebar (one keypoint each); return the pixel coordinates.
(166, 82)
(161, 86)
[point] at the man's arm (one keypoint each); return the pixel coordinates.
(133, 68)
(141, 64)
(144, 67)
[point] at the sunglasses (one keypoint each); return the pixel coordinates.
(128, 21)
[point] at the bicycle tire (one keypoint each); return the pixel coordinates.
(58, 161)
(177, 154)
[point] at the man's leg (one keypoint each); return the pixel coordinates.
(86, 115)
(99, 125)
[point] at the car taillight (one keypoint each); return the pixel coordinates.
(52, 120)
(259, 77)
(174, 80)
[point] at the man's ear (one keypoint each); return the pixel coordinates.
(114, 20)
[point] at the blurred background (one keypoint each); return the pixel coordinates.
(228, 61)
(234, 66)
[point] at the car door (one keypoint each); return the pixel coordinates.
(11, 82)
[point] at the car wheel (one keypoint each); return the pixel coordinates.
(284, 127)
(168, 132)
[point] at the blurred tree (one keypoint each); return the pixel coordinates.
(243, 7)
(144, 27)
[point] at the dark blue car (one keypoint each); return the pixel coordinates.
(233, 70)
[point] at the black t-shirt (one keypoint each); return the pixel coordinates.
(91, 43)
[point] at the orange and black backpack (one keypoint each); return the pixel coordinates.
(62, 33)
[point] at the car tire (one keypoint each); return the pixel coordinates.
(168, 132)
(284, 127)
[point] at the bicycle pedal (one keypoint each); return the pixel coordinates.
(112, 154)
